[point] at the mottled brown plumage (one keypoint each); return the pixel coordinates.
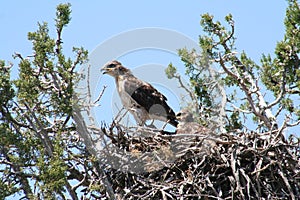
(195, 134)
(142, 100)
(187, 124)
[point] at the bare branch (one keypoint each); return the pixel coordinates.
(262, 112)
(191, 94)
(100, 95)
(286, 181)
(282, 91)
(293, 124)
(18, 55)
(240, 110)
(84, 133)
(39, 130)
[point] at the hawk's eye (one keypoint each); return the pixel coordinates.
(178, 115)
(111, 66)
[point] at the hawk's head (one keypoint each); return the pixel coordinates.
(115, 68)
(185, 116)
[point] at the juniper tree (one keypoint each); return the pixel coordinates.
(42, 157)
(248, 84)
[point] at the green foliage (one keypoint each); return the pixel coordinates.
(6, 90)
(216, 35)
(27, 84)
(53, 173)
(6, 189)
(285, 67)
(201, 91)
(171, 71)
(36, 123)
(288, 104)
(281, 75)
(63, 16)
(235, 123)
(241, 75)
(197, 82)
(7, 186)
(43, 45)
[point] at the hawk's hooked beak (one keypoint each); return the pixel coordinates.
(105, 70)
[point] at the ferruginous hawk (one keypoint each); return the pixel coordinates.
(140, 98)
(193, 134)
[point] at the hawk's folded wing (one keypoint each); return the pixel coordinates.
(146, 96)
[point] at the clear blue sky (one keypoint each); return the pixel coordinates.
(259, 25)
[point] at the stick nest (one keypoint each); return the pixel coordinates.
(202, 165)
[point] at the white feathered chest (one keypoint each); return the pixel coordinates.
(125, 90)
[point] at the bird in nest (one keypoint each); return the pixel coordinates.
(140, 98)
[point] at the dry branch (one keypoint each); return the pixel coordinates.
(205, 165)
